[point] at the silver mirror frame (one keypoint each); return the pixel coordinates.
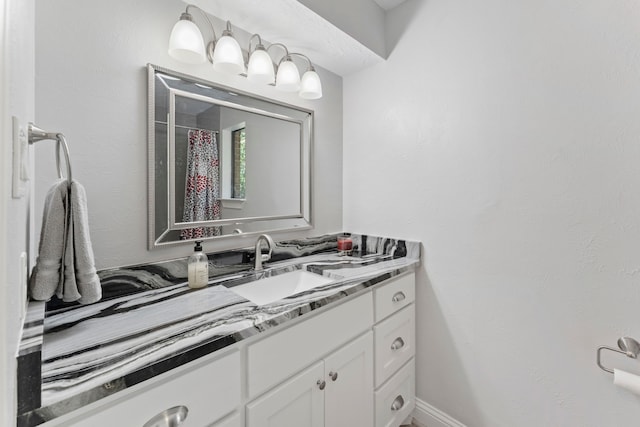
(269, 224)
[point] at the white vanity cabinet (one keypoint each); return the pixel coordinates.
(336, 391)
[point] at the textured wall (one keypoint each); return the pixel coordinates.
(505, 136)
(91, 84)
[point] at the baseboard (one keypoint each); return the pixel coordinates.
(429, 416)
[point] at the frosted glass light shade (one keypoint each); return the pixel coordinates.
(227, 56)
(288, 77)
(310, 85)
(260, 69)
(186, 43)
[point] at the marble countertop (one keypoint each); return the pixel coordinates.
(149, 321)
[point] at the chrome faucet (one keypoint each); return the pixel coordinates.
(260, 258)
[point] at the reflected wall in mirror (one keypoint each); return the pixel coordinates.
(222, 162)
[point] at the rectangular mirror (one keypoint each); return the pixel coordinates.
(223, 162)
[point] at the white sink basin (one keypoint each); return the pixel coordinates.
(270, 289)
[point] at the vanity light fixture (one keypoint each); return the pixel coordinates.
(310, 85)
(227, 55)
(260, 67)
(186, 44)
(287, 77)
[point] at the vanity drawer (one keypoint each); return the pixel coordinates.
(281, 355)
(395, 400)
(391, 297)
(208, 391)
(394, 343)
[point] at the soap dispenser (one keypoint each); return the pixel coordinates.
(198, 268)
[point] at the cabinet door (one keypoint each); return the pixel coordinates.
(349, 377)
(299, 402)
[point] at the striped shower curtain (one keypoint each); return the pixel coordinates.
(202, 186)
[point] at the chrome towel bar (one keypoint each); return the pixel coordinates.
(36, 134)
(628, 346)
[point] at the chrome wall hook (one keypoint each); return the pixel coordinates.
(36, 134)
(628, 346)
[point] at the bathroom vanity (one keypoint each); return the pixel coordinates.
(340, 354)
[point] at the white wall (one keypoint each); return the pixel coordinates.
(506, 136)
(16, 89)
(91, 84)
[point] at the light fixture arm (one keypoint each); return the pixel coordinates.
(310, 68)
(228, 31)
(257, 46)
(286, 51)
(212, 43)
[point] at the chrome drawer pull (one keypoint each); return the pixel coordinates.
(399, 296)
(321, 384)
(397, 344)
(397, 404)
(333, 375)
(172, 417)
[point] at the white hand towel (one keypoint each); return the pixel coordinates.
(47, 274)
(87, 282)
(65, 264)
(68, 289)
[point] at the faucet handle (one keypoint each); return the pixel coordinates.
(260, 257)
(270, 244)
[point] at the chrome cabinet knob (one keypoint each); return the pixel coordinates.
(333, 375)
(171, 417)
(398, 403)
(399, 296)
(397, 344)
(321, 384)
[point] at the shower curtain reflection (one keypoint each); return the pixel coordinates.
(202, 184)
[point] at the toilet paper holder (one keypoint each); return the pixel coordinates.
(628, 346)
